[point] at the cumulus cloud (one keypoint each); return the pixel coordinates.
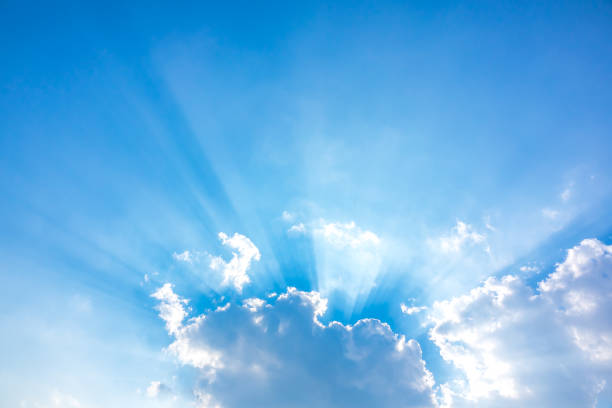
(230, 273)
(581, 289)
(171, 307)
(279, 354)
(517, 346)
(461, 235)
(235, 270)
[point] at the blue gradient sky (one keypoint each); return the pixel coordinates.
(132, 132)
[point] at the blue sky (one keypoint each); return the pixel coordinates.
(411, 163)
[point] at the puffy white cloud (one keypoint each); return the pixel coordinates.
(279, 355)
(520, 347)
(461, 235)
(253, 304)
(171, 307)
(235, 271)
(230, 273)
(581, 289)
(410, 310)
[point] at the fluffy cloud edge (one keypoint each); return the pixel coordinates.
(548, 346)
(255, 347)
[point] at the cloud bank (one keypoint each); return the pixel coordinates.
(278, 354)
(513, 344)
(516, 346)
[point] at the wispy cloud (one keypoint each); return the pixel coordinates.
(347, 235)
(184, 256)
(550, 213)
(299, 228)
(410, 310)
(287, 216)
(566, 194)
(462, 235)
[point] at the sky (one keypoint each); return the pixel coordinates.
(297, 204)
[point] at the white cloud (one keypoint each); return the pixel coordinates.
(581, 287)
(232, 272)
(253, 304)
(529, 268)
(520, 347)
(297, 228)
(235, 271)
(410, 310)
(157, 389)
(171, 307)
(184, 256)
(280, 355)
(461, 235)
(347, 235)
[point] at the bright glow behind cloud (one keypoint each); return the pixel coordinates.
(349, 259)
(462, 235)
